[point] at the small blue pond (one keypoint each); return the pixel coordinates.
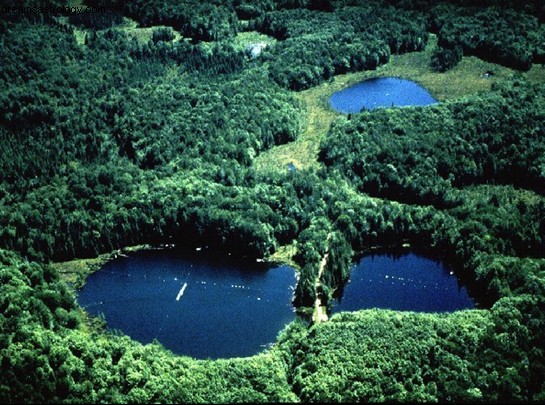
(381, 92)
(407, 283)
(194, 305)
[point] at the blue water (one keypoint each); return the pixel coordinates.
(406, 283)
(227, 309)
(382, 92)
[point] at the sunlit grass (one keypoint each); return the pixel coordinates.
(243, 39)
(284, 255)
(302, 153)
(143, 34)
(75, 272)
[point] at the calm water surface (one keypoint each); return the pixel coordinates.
(409, 282)
(381, 92)
(227, 308)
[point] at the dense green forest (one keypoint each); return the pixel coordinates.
(113, 135)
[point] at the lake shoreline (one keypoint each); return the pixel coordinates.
(75, 272)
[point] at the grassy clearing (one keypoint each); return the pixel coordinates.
(142, 34)
(284, 255)
(302, 153)
(75, 272)
(80, 36)
(243, 39)
(465, 79)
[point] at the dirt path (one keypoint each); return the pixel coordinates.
(320, 311)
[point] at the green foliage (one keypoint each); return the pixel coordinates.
(315, 45)
(115, 142)
(163, 34)
(339, 260)
(494, 34)
(444, 59)
(389, 356)
(201, 21)
(96, 21)
(386, 356)
(89, 148)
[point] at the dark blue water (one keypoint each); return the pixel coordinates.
(406, 283)
(227, 309)
(382, 92)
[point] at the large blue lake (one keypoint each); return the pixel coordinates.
(408, 282)
(226, 309)
(381, 92)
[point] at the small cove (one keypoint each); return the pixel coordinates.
(380, 92)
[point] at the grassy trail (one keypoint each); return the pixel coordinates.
(303, 152)
(320, 311)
